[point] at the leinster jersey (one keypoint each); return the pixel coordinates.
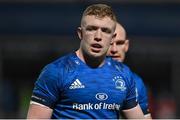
(141, 94)
(74, 90)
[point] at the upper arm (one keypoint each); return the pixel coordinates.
(45, 93)
(133, 113)
(131, 96)
(142, 95)
(37, 111)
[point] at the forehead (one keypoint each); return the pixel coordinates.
(120, 34)
(91, 20)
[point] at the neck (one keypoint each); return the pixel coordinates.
(92, 62)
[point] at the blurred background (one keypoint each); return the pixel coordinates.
(35, 32)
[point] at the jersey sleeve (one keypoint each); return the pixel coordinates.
(46, 90)
(131, 97)
(142, 94)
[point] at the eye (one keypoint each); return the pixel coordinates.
(120, 42)
(91, 28)
(106, 30)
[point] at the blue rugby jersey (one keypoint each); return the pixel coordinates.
(74, 90)
(142, 94)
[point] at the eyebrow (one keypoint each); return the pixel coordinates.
(103, 28)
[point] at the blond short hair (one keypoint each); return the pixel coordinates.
(100, 10)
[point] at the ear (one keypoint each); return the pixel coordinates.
(126, 45)
(79, 32)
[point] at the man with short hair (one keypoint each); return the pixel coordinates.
(86, 84)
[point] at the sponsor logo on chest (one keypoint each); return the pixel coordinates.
(76, 85)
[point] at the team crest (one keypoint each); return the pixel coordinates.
(119, 83)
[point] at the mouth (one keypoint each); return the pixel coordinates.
(96, 47)
(116, 57)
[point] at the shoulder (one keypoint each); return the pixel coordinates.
(138, 80)
(136, 76)
(56, 71)
(63, 63)
(141, 88)
(58, 67)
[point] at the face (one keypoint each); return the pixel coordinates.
(96, 35)
(119, 45)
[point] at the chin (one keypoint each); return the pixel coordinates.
(118, 59)
(97, 55)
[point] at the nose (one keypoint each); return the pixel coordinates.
(113, 49)
(97, 36)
